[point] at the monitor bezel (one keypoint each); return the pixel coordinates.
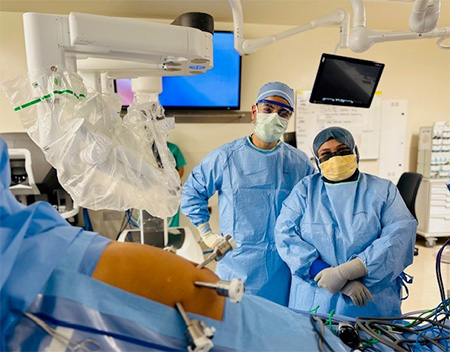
(314, 98)
(205, 108)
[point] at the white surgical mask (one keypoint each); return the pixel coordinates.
(270, 127)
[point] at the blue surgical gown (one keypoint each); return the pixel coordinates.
(33, 241)
(252, 185)
(366, 218)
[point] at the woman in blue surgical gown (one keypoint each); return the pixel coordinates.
(346, 236)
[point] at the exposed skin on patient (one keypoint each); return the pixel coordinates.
(160, 276)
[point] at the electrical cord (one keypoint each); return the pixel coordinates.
(122, 226)
(87, 220)
(438, 270)
(320, 333)
(371, 325)
(362, 326)
(413, 341)
(390, 331)
(370, 348)
(430, 321)
(131, 219)
(442, 46)
(386, 321)
(330, 322)
(65, 341)
(383, 331)
(314, 310)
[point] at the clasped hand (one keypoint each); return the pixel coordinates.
(343, 278)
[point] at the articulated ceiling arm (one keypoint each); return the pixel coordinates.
(338, 17)
(362, 38)
(424, 15)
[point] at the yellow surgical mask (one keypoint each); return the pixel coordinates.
(339, 168)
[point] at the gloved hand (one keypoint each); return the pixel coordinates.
(207, 235)
(357, 292)
(353, 269)
(330, 280)
(333, 279)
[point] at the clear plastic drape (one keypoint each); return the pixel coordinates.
(102, 161)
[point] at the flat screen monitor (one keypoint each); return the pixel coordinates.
(218, 88)
(346, 81)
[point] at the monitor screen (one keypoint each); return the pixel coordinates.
(218, 88)
(346, 81)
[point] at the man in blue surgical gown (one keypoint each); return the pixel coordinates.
(253, 175)
(346, 236)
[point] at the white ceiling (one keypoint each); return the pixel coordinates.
(381, 14)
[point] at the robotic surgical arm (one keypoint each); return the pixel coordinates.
(151, 48)
(103, 161)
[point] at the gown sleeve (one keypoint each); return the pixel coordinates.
(393, 250)
(203, 182)
(297, 253)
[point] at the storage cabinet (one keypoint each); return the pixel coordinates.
(433, 210)
(433, 159)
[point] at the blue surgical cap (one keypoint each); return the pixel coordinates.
(276, 88)
(338, 133)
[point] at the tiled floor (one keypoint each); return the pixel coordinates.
(424, 292)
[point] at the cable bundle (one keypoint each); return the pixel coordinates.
(428, 331)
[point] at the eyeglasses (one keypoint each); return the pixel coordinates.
(270, 106)
(340, 152)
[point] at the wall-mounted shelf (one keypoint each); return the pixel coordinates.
(210, 116)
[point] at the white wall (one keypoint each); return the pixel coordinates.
(416, 70)
(12, 63)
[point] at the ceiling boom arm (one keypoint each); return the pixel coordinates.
(338, 17)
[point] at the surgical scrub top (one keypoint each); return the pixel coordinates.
(33, 241)
(174, 221)
(176, 152)
(366, 218)
(252, 185)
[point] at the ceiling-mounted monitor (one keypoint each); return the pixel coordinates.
(217, 89)
(346, 81)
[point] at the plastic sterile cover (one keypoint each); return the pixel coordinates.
(93, 316)
(102, 161)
